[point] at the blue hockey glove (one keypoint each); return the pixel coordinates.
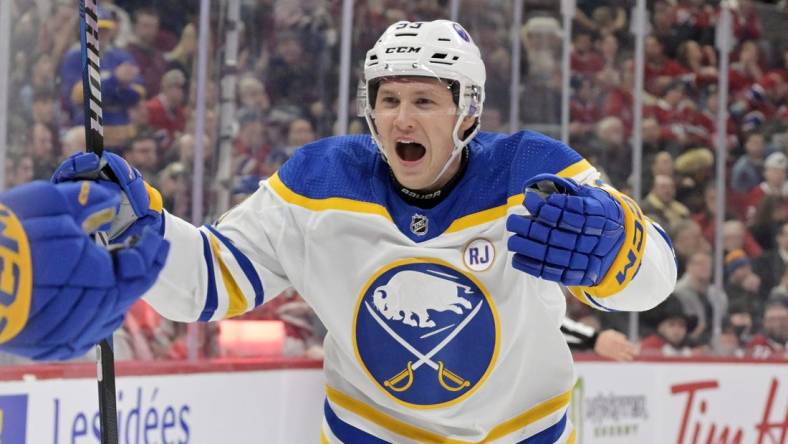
(141, 204)
(60, 293)
(573, 234)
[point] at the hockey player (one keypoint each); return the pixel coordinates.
(432, 252)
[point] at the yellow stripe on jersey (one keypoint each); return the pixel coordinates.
(409, 431)
(330, 203)
(572, 436)
(482, 217)
(575, 169)
(323, 438)
(530, 416)
(237, 302)
(629, 256)
(462, 223)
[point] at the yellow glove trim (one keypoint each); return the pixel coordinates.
(16, 277)
(628, 257)
(156, 202)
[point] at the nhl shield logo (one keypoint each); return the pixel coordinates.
(425, 332)
(419, 224)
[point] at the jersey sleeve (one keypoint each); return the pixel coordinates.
(223, 270)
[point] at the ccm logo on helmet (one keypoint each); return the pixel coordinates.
(403, 50)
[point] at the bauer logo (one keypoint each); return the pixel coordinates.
(13, 419)
(15, 275)
(425, 332)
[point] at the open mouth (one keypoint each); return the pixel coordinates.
(410, 151)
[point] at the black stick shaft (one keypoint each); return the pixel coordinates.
(94, 135)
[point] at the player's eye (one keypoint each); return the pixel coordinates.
(424, 101)
(389, 100)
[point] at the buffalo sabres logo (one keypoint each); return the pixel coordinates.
(419, 224)
(425, 332)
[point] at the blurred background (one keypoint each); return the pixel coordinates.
(230, 89)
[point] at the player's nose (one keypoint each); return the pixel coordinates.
(404, 117)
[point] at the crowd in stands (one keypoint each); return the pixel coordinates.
(287, 97)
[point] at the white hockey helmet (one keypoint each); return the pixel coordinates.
(439, 49)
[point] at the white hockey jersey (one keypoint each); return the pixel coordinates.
(432, 335)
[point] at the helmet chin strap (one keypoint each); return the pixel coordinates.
(458, 143)
(458, 146)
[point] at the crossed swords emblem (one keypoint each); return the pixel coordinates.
(407, 373)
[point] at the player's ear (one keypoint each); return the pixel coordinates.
(467, 123)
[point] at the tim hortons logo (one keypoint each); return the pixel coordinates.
(696, 428)
(94, 72)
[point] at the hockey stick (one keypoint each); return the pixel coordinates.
(94, 135)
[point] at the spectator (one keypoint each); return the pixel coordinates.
(609, 76)
(747, 171)
(747, 69)
(252, 95)
(661, 204)
(121, 86)
(585, 60)
(618, 82)
(299, 133)
(73, 141)
(781, 289)
(735, 236)
(687, 240)
(182, 56)
(143, 48)
(774, 183)
(660, 70)
(773, 340)
(166, 111)
(772, 264)
(583, 108)
(42, 147)
(699, 72)
(741, 317)
(541, 38)
(671, 325)
(694, 170)
(174, 189)
(654, 140)
(741, 284)
(44, 110)
(610, 147)
(251, 147)
(41, 78)
(692, 291)
(746, 22)
(661, 164)
(728, 343)
(142, 153)
(770, 214)
(290, 81)
(664, 29)
(19, 170)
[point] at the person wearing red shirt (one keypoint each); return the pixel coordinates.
(660, 70)
(166, 111)
(774, 184)
(584, 59)
(773, 341)
(670, 336)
